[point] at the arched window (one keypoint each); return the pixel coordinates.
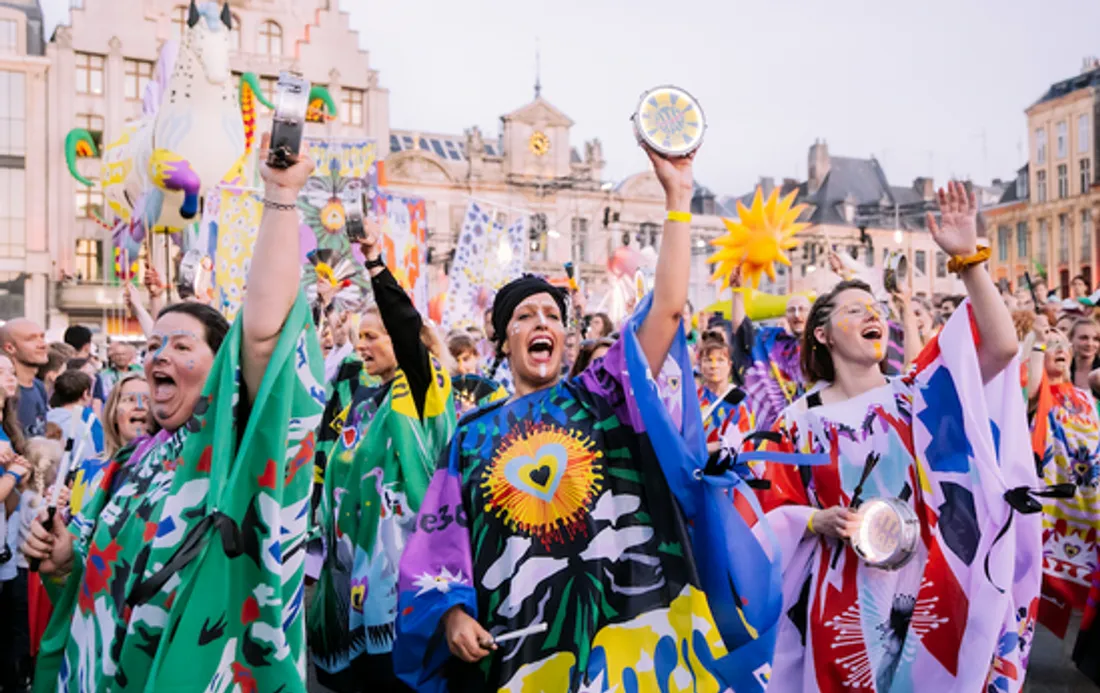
(271, 39)
(235, 34)
(179, 18)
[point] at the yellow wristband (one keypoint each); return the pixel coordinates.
(958, 263)
(810, 522)
(682, 217)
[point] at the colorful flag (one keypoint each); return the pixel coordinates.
(488, 255)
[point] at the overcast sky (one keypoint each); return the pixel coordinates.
(937, 86)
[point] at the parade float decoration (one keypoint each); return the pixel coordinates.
(190, 137)
(758, 238)
(196, 136)
(326, 267)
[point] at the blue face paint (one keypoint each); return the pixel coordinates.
(166, 338)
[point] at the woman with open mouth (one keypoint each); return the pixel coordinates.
(125, 419)
(884, 601)
(184, 570)
(375, 477)
(1066, 442)
(549, 543)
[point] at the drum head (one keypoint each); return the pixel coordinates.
(882, 539)
(670, 121)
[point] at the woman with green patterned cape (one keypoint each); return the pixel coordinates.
(183, 572)
(374, 481)
(552, 552)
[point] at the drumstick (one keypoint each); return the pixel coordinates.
(59, 481)
(522, 632)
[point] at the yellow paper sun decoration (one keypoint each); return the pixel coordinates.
(758, 239)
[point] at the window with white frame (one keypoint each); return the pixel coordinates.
(271, 39)
(88, 264)
(1063, 239)
(351, 106)
(1004, 239)
(13, 216)
(138, 74)
(9, 36)
(1040, 186)
(1062, 135)
(13, 114)
(89, 74)
(1063, 181)
(1086, 236)
(1086, 175)
(1041, 146)
(1083, 138)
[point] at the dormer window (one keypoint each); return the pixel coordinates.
(849, 211)
(1021, 185)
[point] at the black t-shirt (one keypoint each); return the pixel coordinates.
(32, 409)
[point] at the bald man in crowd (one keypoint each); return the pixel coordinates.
(24, 342)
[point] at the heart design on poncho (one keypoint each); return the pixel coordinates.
(540, 475)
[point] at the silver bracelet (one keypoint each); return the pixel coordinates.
(279, 206)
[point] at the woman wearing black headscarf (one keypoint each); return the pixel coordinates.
(551, 516)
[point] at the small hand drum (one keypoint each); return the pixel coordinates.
(896, 272)
(670, 121)
(888, 533)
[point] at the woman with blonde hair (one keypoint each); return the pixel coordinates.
(125, 419)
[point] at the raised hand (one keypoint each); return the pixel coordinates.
(371, 243)
(282, 185)
(676, 176)
(957, 233)
(152, 281)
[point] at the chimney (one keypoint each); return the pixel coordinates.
(819, 165)
(925, 187)
(766, 185)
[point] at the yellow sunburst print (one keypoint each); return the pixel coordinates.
(758, 238)
(542, 480)
(332, 215)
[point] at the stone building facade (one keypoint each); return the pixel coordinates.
(101, 59)
(1045, 222)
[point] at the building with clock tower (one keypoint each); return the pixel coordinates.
(103, 54)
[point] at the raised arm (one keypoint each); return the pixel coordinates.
(273, 277)
(400, 317)
(957, 235)
(670, 289)
(133, 302)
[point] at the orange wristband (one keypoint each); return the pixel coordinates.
(959, 263)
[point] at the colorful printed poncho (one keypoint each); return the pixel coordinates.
(373, 487)
(570, 507)
(1067, 442)
(349, 377)
(231, 617)
(960, 615)
(774, 378)
(726, 417)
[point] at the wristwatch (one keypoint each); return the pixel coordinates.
(376, 262)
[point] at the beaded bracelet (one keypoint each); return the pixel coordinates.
(279, 206)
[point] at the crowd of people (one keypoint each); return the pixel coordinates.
(503, 508)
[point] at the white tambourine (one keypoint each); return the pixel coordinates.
(670, 121)
(888, 533)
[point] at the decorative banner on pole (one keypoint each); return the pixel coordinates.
(488, 256)
(404, 239)
(345, 168)
(236, 220)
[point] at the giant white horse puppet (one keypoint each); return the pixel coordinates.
(190, 138)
